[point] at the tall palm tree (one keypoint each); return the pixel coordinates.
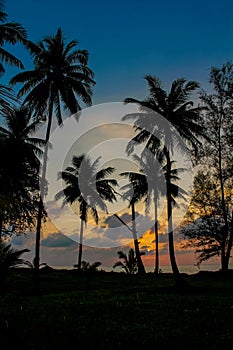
(177, 108)
(10, 33)
(152, 167)
(60, 78)
(139, 183)
(20, 162)
(150, 185)
(87, 187)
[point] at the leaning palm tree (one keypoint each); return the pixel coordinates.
(60, 78)
(20, 163)
(89, 188)
(177, 108)
(10, 33)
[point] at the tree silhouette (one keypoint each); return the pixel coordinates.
(60, 77)
(9, 258)
(184, 123)
(20, 163)
(87, 187)
(130, 262)
(139, 183)
(149, 185)
(10, 33)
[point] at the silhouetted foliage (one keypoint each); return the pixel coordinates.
(129, 263)
(9, 258)
(209, 219)
(89, 188)
(183, 124)
(10, 33)
(60, 78)
(87, 267)
(19, 169)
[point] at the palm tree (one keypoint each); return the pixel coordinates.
(9, 258)
(87, 187)
(153, 169)
(31, 264)
(20, 162)
(7, 97)
(177, 108)
(129, 263)
(150, 185)
(10, 33)
(60, 77)
(139, 183)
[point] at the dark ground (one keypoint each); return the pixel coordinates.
(115, 311)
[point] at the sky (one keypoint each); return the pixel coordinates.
(127, 40)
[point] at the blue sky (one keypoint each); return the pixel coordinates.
(129, 39)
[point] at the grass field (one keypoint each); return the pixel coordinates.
(115, 311)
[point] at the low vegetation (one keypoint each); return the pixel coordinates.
(109, 310)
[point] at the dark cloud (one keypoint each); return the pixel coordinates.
(145, 247)
(55, 210)
(58, 240)
(162, 238)
(112, 221)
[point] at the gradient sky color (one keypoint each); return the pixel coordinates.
(127, 40)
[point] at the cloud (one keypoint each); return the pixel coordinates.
(163, 238)
(58, 240)
(145, 247)
(112, 221)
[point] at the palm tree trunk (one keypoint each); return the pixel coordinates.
(175, 270)
(230, 242)
(80, 245)
(42, 193)
(141, 268)
(224, 262)
(1, 225)
(156, 237)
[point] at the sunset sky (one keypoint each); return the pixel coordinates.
(126, 40)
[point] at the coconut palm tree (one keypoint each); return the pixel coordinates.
(177, 108)
(20, 162)
(9, 258)
(150, 185)
(152, 168)
(89, 188)
(7, 97)
(10, 33)
(130, 262)
(59, 79)
(140, 190)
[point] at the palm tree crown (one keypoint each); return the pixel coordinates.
(89, 188)
(10, 33)
(183, 125)
(175, 106)
(60, 76)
